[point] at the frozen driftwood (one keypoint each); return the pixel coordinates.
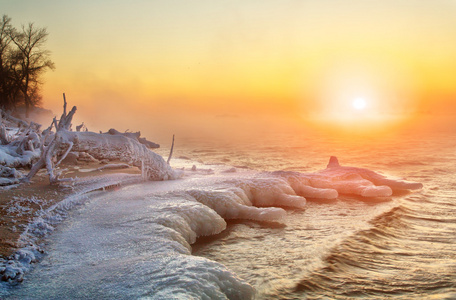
(50, 151)
(136, 136)
(18, 146)
(112, 146)
(10, 118)
(121, 147)
(4, 140)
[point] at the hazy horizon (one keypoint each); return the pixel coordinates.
(181, 66)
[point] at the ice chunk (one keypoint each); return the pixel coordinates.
(336, 172)
(191, 219)
(349, 183)
(301, 184)
(269, 191)
(228, 204)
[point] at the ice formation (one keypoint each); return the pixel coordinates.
(170, 216)
(233, 203)
(337, 179)
(302, 186)
(18, 147)
(142, 254)
(359, 181)
(269, 191)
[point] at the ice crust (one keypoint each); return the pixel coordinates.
(119, 254)
(13, 268)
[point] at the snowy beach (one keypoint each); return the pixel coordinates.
(21, 204)
(174, 213)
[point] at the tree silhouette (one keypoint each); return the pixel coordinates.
(6, 81)
(33, 59)
(23, 59)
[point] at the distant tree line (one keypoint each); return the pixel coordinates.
(23, 59)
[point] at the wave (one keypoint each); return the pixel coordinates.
(395, 257)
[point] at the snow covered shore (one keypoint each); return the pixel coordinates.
(180, 211)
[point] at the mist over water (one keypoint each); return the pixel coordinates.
(347, 248)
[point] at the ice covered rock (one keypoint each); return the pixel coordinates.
(268, 191)
(301, 184)
(191, 219)
(337, 179)
(233, 203)
(335, 171)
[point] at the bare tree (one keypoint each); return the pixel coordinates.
(5, 62)
(33, 58)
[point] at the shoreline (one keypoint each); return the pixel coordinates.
(21, 204)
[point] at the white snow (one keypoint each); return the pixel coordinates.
(9, 156)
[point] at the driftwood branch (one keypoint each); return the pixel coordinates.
(51, 150)
(136, 136)
(170, 152)
(4, 140)
(19, 122)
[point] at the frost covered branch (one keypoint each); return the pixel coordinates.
(50, 151)
(135, 136)
(127, 147)
(170, 152)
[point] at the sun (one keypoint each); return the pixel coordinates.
(359, 103)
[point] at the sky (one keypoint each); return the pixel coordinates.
(172, 64)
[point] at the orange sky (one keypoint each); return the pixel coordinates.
(176, 61)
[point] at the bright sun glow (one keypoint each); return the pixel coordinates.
(359, 104)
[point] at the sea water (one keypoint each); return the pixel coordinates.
(403, 247)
